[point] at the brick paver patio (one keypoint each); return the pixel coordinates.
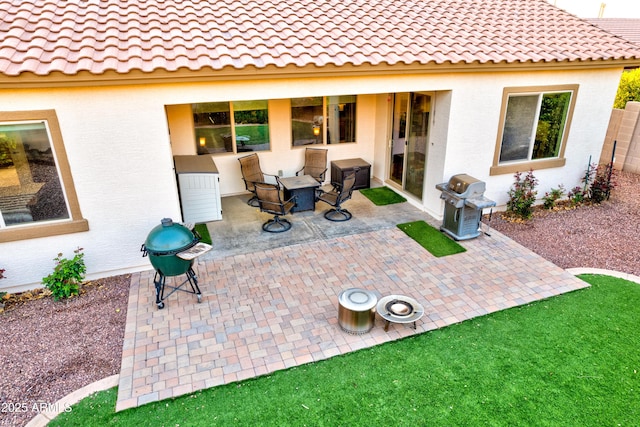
(275, 309)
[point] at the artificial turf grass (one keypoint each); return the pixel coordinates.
(567, 360)
(381, 196)
(431, 239)
(203, 232)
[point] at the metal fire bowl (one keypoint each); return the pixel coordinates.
(399, 309)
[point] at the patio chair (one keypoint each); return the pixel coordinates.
(338, 195)
(252, 174)
(270, 201)
(315, 163)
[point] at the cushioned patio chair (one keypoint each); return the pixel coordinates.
(252, 174)
(315, 163)
(338, 195)
(270, 201)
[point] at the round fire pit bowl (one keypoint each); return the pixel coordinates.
(399, 309)
(356, 310)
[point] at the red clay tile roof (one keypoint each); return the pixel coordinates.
(627, 28)
(97, 36)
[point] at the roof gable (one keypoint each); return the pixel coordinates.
(41, 37)
(627, 28)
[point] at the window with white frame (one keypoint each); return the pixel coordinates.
(535, 125)
(228, 127)
(323, 120)
(37, 197)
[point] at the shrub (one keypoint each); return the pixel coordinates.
(602, 184)
(551, 198)
(576, 196)
(628, 89)
(67, 276)
(522, 195)
(2, 294)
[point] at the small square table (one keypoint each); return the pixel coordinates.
(304, 188)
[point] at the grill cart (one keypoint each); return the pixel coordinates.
(464, 201)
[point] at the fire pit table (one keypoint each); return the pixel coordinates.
(399, 309)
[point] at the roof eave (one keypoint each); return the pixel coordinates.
(111, 78)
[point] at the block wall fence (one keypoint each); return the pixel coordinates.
(624, 128)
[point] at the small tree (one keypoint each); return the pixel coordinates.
(628, 89)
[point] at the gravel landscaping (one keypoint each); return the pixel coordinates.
(50, 349)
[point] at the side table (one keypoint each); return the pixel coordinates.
(341, 167)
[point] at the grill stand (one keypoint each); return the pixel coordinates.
(464, 202)
(160, 282)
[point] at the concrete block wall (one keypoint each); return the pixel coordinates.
(624, 128)
(632, 159)
(612, 135)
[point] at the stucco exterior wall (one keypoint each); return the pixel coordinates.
(120, 142)
(475, 123)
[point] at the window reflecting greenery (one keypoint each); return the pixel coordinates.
(534, 126)
(553, 115)
(227, 127)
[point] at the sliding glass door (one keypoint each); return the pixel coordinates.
(409, 135)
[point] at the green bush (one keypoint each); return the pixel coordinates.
(628, 89)
(522, 195)
(552, 197)
(67, 276)
(576, 196)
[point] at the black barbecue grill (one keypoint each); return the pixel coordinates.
(464, 202)
(172, 249)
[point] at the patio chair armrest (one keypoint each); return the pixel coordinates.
(292, 199)
(275, 177)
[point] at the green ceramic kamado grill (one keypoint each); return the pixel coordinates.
(166, 246)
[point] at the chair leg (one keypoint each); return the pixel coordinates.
(338, 214)
(276, 225)
(253, 201)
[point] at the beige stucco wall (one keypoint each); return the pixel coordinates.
(120, 142)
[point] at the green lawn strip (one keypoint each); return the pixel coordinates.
(203, 231)
(437, 243)
(381, 196)
(567, 360)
